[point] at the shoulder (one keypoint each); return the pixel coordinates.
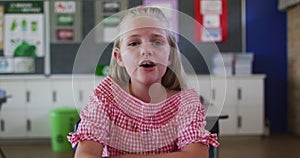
(189, 100)
(104, 84)
(190, 95)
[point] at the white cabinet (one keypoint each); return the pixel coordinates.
(13, 123)
(39, 105)
(84, 88)
(16, 89)
(229, 126)
(62, 92)
(244, 104)
(250, 106)
(37, 94)
(38, 123)
(26, 113)
(13, 112)
(239, 97)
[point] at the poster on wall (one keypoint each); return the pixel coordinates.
(108, 16)
(24, 29)
(65, 17)
(65, 21)
(171, 11)
(110, 20)
(211, 20)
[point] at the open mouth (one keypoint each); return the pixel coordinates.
(147, 64)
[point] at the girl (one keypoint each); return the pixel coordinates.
(143, 109)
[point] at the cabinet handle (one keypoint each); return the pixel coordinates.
(2, 125)
(239, 94)
(239, 121)
(27, 96)
(54, 96)
(80, 96)
(28, 125)
(213, 94)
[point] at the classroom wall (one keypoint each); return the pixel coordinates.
(266, 37)
(62, 62)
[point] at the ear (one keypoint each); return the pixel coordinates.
(118, 57)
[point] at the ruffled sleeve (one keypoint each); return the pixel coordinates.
(191, 123)
(95, 122)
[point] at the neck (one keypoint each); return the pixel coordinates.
(148, 93)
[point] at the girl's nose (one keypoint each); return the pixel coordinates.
(146, 49)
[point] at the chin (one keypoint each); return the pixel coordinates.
(149, 80)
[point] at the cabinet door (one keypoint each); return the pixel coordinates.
(62, 93)
(39, 105)
(250, 120)
(250, 92)
(224, 93)
(84, 88)
(39, 94)
(205, 89)
(13, 112)
(229, 126)
(38, 123)
(16, 89)
(13, 123)
(250, 106)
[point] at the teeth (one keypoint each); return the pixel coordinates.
(147, 63)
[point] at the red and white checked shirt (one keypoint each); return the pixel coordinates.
(127, 125)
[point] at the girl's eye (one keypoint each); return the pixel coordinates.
(157, 43)
(133, 44)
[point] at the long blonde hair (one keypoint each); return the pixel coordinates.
(173, 78)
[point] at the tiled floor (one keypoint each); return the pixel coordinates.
(274, 146)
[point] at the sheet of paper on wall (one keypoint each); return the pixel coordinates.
(65, 34)
(211, 7)
(111, 7)
(109, 34)
(65, 7)
(65, 19)
(211, 34)
(211, 21)
(6, 65)
(24, 65)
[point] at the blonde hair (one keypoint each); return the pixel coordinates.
(173, 78)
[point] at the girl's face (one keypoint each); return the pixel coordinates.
(144, 50)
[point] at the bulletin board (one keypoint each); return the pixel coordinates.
(211, 20)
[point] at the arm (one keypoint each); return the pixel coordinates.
(193, 150)
(89, 149)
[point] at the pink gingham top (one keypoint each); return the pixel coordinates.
(123, 124)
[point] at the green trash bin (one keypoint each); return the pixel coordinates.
(62, 122)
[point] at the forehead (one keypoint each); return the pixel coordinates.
(148, 32)
(142, 22)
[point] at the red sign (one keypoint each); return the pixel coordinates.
(211, 20)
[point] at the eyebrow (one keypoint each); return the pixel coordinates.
(152, 35)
